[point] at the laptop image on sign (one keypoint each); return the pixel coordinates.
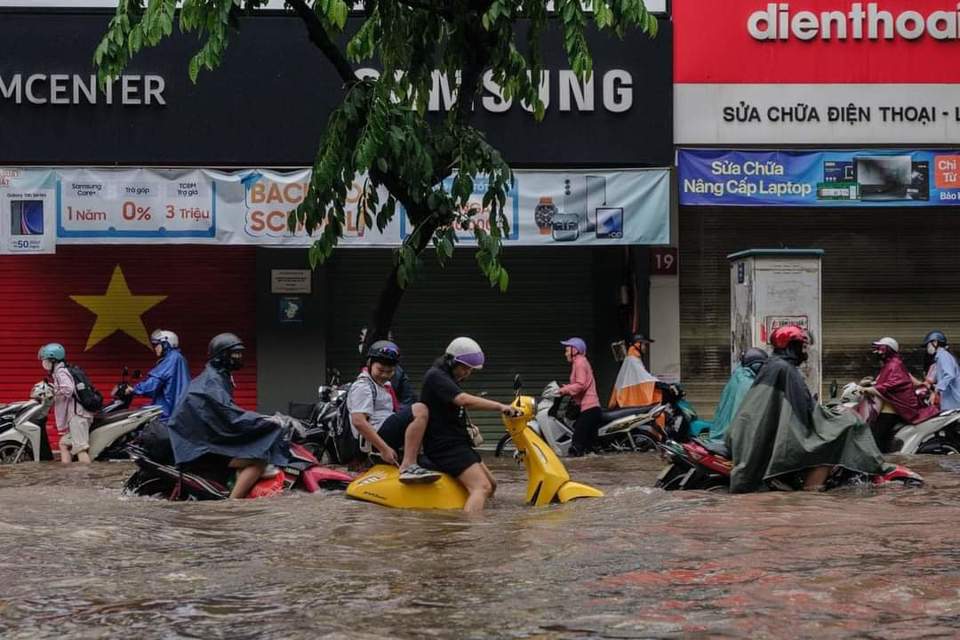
(884, 177)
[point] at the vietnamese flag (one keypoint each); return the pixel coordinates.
(103, 302)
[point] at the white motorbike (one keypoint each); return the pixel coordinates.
(619, 431)
(939, 435)
(25, 438)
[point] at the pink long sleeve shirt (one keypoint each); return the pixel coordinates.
(582, 387)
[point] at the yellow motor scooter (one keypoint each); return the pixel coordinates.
(547, 478)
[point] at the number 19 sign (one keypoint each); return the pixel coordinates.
(663, 261)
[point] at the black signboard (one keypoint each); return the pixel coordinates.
(268, 103)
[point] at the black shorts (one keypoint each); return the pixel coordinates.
(453, 459)
(394, 429)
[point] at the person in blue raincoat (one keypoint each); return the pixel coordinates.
(732, 396)
(167, 381)
(209, 429)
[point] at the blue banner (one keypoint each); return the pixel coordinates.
(847, 178)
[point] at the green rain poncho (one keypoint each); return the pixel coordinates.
(780, 430)
(731, 398)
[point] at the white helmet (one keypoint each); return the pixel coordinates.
(890, 343)
(467, 352)
(162, 335)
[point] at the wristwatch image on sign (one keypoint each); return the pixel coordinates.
(566, 227)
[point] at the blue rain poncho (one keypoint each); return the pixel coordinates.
(167, 382)
(207, 420)
(730, 400)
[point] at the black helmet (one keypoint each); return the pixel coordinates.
(935, 335)
(639, 337)
(384, 351)
(753, 358)
(224, 343)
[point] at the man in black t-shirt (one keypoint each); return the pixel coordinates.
(447, 443)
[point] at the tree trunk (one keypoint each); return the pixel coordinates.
(388, 302)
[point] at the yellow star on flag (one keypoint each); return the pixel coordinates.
(118, 310)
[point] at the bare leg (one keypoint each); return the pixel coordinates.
(84, 457)
(248, 473)
(413, 436)
(815, 478)
(477, 482)
(65, 456)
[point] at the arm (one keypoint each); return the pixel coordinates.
(578, 381)
(149, 386)
(361, 423)
(63, 385)
(477, 403)
(946, 372)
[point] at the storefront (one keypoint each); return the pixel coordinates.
(827, 128)
(203, 239)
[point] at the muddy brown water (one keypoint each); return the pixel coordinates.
(78, 560)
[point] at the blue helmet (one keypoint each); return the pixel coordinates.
(52, 351)
(384, 351)
(935, 335)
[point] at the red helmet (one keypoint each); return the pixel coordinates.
(783, 336)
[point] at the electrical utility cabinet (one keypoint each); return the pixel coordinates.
(770, 288)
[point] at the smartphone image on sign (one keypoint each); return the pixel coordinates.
(596, 197)
(26, 217)
(566, 227)
(610, 222)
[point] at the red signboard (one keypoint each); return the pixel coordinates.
(816, 41)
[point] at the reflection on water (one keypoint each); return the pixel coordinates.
(77, 559)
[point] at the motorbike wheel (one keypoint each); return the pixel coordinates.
(9, 452)
(140, 484)
(642, 442)
(939, 447)
(502, 445)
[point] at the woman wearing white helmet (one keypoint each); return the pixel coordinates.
(447, 442)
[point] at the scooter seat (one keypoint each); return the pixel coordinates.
(111, 418)
(717, 448)
(616, 414)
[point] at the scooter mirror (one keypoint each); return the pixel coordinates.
(517, 383)
(124, 372)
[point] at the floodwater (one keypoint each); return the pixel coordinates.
(78, 560)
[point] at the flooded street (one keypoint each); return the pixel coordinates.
(79, 560)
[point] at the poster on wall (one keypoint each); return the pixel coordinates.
(816, 72)
(850, 178)
(27, 204)
(251, 206)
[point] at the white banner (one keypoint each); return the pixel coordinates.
(198, 206)
(817, 113)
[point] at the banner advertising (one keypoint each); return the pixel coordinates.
(816, 72)
(197, 206)
(852, 178)
(27, 205)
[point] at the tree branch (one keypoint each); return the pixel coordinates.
(318, 35)
(427, 6)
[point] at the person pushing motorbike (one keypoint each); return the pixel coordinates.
(167, 381)
(732, 397)
(208, 429)
(780, 432)
(945, 374)
(447, 443)
(583, 389)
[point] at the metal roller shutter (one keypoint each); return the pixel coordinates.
(885, 272)
(197, 292)
(551, 296)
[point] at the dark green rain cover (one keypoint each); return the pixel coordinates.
(779, 429)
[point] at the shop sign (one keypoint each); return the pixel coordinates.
(27, 206)
(815, 72)
(250, 206)
(852, 178)
(290, 280)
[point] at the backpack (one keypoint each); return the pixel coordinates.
(84, 392)
(347, 444)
